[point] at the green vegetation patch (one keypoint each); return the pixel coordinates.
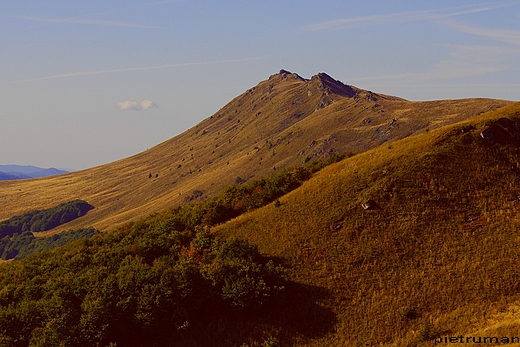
(241, 198)
(21, 245)
(42, 220)
(135, 286)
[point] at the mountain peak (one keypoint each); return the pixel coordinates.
(333, 86)
(324, 82)
(284, 74)
(271, 126)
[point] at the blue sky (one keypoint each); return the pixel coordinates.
(84, 83)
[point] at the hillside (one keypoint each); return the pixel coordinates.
(433, 260)
(281, 122)
(437, 257)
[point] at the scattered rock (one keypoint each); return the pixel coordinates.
(370, 205)
(325, 100)
(371, 96)
(239, 180)
(380, 134)
(194, 195)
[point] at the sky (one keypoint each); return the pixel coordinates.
(83, 83)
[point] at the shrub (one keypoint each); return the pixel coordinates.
(271, 342)
(427, 332)
(236, 270)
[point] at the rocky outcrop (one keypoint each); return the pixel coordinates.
(332, 86)
(503, 131)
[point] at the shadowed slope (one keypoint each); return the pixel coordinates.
(284, 121)
(438, 258)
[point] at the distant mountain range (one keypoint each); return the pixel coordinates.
(16, 172)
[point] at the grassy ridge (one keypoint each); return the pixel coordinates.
(437, 258)
(281, 122)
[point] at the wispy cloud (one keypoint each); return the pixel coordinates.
(102, 22)
(508, 36)
(135, 106)
(402, 17)
(86, 21)
(463, 61)
(357, 22)
(100, 72)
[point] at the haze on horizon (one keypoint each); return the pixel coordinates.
(88, 83)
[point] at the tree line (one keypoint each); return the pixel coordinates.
(149, 282)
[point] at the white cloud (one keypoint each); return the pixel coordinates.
(135, 106)
(146, 104)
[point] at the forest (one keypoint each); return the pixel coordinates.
(19, 246)
(161, 278)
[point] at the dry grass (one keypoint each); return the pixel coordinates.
(439, 258)
(278, 123)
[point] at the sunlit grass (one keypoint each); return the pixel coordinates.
(277, 124)
(444, 244)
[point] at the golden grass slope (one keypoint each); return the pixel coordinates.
(438, 259)
(283, 121)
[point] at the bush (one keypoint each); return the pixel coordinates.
(271, 342)
(236, 270)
